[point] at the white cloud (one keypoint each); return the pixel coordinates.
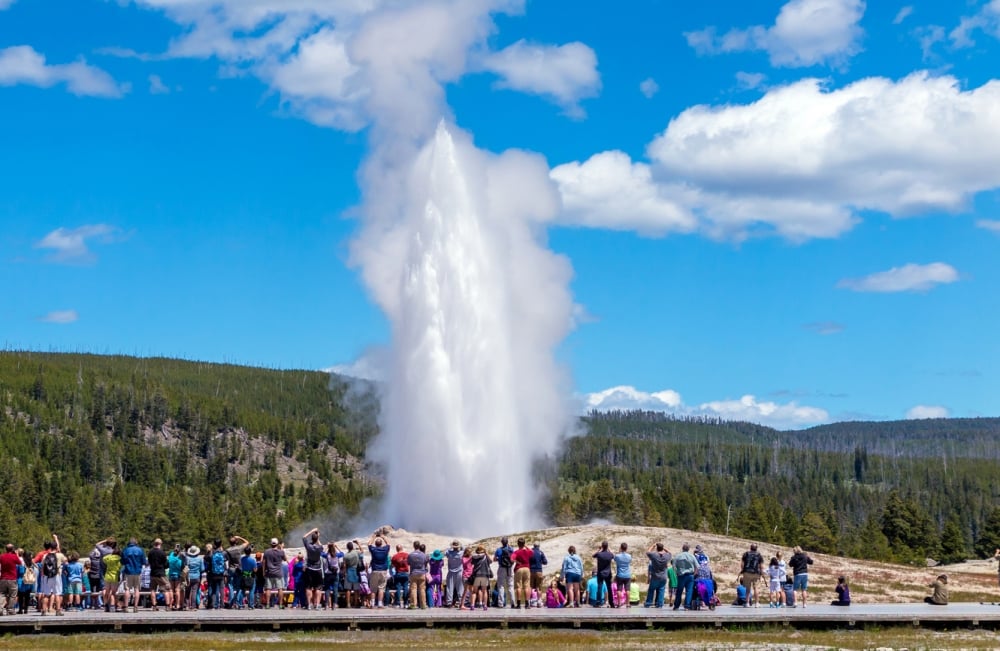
(908, 278)
(156, 86)
(369, 366)
(986, 20)
(825, 327)
(805, 33)
(789, 415)
(903, 14)
(564, 73)
(21, 64)
(60, 317)
(648, 87)
(920, 412)
(750, 80)
(989, 224)
(928, 36)
(69, 245)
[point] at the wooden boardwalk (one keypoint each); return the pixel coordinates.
(957, 615)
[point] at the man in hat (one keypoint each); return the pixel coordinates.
(453, 579)
(274, 559)
(379, 566)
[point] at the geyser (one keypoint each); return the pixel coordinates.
(456, 258)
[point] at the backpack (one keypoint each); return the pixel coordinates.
(218, 562)
(29, 577)
(505, 559)
(175, 565)
(50, 566)
(248, 579)
(751, 563)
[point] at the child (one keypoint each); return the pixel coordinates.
(741, 592)
(843, 593)
(940, 596)
(776, 576)
(554, 598)
(74, 575)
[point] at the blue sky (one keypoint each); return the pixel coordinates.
(783, 212)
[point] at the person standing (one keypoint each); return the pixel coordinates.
(176, 562)
(401, 576)
(453, 578)
(623, 574)
(685, 565)
(112, 564)
(379, 566)
(418, 577)
(274, 559)
(572, 573)
(603, 556)
(752, 564)
(537, 567)
(9, 562)
(133, 559)
(522, 574)
(800, 562)
(96, 575)
(504, 557)
(313, 575)
(158, 575)
(196, 568)
(659, 561)
(234, 555)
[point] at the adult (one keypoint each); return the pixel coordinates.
(685, 565)
(28, 572)
(196, 569)
(158, 575)
(133, 559)
(176, 564)
(623, 574)
(234, 555)
(435, 577)
(572, 574)
(401, 576)
(50, 562)
(751, 567)
(314, 568)
(96, 575)
(522, 574)
(659, 560)
(378, 565)
(9, 562)
(274, 559)
(604, 557)
(940, 595)
(352, 575)
(537, 567)
(453, 577)
(418, 576)
(248, 578)
(112, 564)
(331, 574)
(216, 564)
(504, 557)
(481, 573)
(800, 562)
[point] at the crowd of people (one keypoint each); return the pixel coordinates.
(387, 574)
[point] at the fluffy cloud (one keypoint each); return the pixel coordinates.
(648, 87)
(156, 86)
(801, 161)
(564, 73)
(902, 14)
(986, 20)
(989, 224)
(69, 245)
(21, 64)
(60, 317)
(782, 416)
(805, 33)
(908, 278)
(927, 411)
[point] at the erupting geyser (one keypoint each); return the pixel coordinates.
(453, 250)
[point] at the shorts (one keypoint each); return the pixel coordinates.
(274, 583)
(313, 579)
(158, 583)
(536, 580)
(378, 579)
(573, 577)
(481, 582)
(50, 585)
(800, 582)
(75, 587)
(750, 580)
(468, 580)
(132, 582)
(522, 580)
(774, 585)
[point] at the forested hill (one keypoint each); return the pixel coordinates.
(97, 445)
(889, 491)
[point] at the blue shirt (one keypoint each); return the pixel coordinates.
(133, 558)
(379, 558)
(623, 565)
(572, 564)
(537, 560)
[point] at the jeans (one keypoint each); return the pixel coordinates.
(685, 583)
(235, 585)
(215, 590)
(656, 589)
(332, 589)
(505, 586)
(402, 588)
(453, 588)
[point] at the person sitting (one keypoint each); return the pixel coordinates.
(940, 595)
(843, 593)
(554, 598)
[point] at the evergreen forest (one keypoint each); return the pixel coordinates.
(95, 445)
